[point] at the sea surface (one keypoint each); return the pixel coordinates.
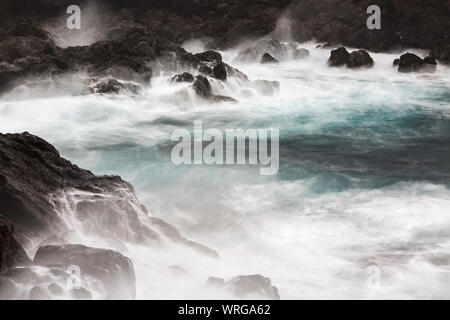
(360, 207)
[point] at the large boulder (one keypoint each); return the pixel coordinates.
(410, 62)
(114, 270)
(359, 58)
(339, 57)
(356, 59)
(203, 89)
(11, 252)
(40, 192)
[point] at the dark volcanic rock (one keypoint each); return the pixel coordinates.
(359, 58)
(113, 86)
(11, 252)
(184, 77)
(36, 185)
(247, 287)
(404, 23)
(114, 270)
(203, 89)
(339, 57)
(410, 62)
(267, 58)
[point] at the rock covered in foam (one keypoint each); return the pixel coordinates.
(114, 270)
(247, 287)
(11, 252)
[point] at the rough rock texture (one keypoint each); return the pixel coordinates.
(112, 86)
(114, 270)
(11, 252)
(359, 58)
(356, 59)
(410, 62)
(203, 89)
(404, 24)
(247, 287)
(36, 186)
(225, 21)
(339, 57)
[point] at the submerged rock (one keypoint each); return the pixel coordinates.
(247, 287)
(184, 77)
(113, 86)
(300, 54)
(273, 48)
(266, 87)
(267, 58)
(410, 62)
(38, 189)
(114, 270)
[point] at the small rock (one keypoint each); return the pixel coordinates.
(300, 53)
(359, 58)
(184, 77)
(267, 58)
(339, 57)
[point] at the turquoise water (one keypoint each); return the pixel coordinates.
(363, 180)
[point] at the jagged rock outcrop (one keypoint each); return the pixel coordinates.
(247, 287)
(404, 24)
(203, 89)
(410, 62)
(36, 186)
(11, 252)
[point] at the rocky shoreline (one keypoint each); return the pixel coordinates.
(40, 192)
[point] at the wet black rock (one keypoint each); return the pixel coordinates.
(339, 57)
(36, 184)
(184, 77)
(356, 59)
(410, 62)
(359, 58)
(267, 58)
(11, 252)
(203, 89)
(114, 270)
(113, 86)
(396, 62)
(202, 86)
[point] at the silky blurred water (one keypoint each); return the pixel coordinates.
(364, 175)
